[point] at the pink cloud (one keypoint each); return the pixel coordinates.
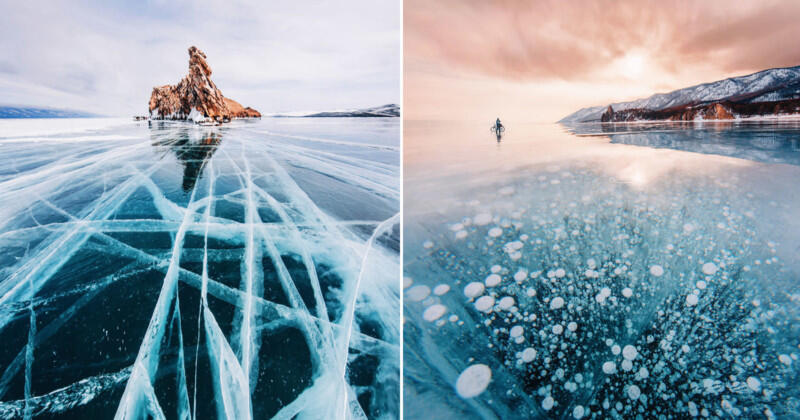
(551, 47)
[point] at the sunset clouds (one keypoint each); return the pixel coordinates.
(619, 49)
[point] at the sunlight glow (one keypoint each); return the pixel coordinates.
(632, 65)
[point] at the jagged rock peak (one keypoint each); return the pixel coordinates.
(196, 97)
(197, 61)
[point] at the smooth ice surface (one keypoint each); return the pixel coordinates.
(167, 270)
(661, 277)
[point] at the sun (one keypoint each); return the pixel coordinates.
(632, 64)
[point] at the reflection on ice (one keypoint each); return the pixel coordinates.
(586, 298)
(760, 141)
(182, 272)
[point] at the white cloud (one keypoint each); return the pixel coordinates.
(105, 57)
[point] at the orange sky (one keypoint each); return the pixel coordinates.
(541, 60)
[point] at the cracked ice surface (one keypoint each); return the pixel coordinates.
(173, 271)
(676, 299)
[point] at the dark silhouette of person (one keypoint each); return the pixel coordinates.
(498, 129)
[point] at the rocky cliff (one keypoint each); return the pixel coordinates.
(723, 110)
(196, 97)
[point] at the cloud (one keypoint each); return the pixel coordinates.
(528, 40)
(106, 56)
(581, 53)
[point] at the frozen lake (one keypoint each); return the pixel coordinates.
(167, 270)
(626, 271)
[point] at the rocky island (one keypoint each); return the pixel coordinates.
(196, 97)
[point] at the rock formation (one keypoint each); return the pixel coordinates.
(196, 97)
(608, 115)
(722, 110)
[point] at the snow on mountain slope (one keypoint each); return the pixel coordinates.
(772, 84)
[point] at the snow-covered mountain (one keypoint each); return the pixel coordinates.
(765, 86)
(389, 110)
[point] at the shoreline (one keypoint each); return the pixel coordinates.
(785, 117)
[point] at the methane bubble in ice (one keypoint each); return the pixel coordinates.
(492, 280)
(609, 368)
(613, 308)
(693, 409)
(484, 303)
(506, 303)
(754, 384)
(434, 312)
(528, 355)
(629, 352)
(473, 381)
(516, 331)
(495, 232)
(709, 268)
(418, 293)
(474, 289)
(482, 219)
(557, 303)
(441, 289)
(656, 270)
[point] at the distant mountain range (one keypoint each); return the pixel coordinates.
(766, 93)
(389, 110)
(31, 112)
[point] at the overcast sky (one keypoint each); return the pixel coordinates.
(106, 56)
(541, 60)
